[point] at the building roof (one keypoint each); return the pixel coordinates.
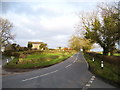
(35, 42)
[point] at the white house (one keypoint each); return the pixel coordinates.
(35, 45)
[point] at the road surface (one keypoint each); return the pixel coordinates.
(71, 73)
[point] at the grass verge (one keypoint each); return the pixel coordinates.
(115, 54)
(110, 72)
(38, 60)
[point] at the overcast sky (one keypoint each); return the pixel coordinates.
(49, 22)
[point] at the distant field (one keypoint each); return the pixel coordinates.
(37, 60)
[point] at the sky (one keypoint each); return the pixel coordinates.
(50, 22)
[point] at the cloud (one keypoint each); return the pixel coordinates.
(59, 23)
(52, 23)
(54, 30)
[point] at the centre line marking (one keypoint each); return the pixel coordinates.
(74, 61)
(39, 76)
(87, 85)
(68, 65)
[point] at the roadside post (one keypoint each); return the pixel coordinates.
(102, 65)
(81, 49)
(7, 61)
(93, 59)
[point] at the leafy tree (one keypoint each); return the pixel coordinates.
(78, 43)
(30, 46)
(5, 31)
(43, 46)
(102, 28)
(25, 48)
(59, 47)
(13, 47)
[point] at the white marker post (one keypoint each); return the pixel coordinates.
(7, 61)
(81, 50)
(93, 59)
(102, 65)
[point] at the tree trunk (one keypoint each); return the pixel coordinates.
(111, 53)
(105, 51)
(112, 50)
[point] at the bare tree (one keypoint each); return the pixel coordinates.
(5, 31)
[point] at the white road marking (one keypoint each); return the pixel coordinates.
(84, 88)
(87, 85)
(90, 81)
(39, 76)
(93, 76)
(68, 65)
(76, 59)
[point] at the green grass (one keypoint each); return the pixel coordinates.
(110, 72)
(37, 60)
(115, 54)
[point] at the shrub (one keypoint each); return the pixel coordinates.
(22, 55)
(110, 59)
(31, 52)
(16, 54)
(8, 53)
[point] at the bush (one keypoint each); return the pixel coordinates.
(8, 52)
(22, 55)
(110, 59)
(31, 52)
(118, 51)
(16, 54)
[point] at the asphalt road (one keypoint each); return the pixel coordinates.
(71, 73)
